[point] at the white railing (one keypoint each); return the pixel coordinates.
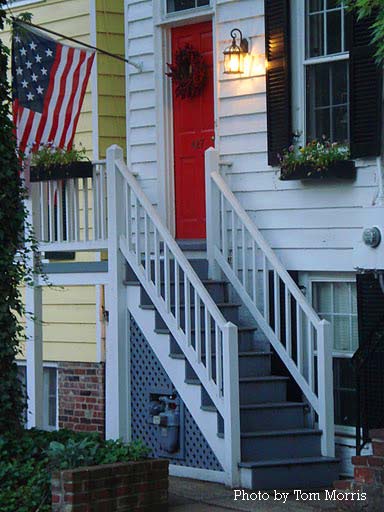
(71, 214)
(301, 339)
(207, 340)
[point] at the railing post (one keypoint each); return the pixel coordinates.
(34, 334)
(212, 205)
(117, 378)
(325, 389)
(231, 404)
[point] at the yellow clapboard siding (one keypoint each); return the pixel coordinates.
(69, 333)
(70, 314)
(69, 352)
(69, 295)
(111, 74)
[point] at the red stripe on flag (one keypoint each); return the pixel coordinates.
(83, 89)
(60, 99)
(48, 96)
(27, 130)
(75, 85)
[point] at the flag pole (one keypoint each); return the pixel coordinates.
(139, 67)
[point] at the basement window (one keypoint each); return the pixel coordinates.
(49, 395)
(182, 5)
(337, 302)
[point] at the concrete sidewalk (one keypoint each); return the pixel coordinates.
(195, 496)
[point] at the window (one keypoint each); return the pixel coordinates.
(336, 302)
(182, 5)
(49, 395)
(322, 69)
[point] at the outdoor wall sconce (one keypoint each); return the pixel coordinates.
(234, 54)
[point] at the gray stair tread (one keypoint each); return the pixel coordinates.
(172, 355)
(239, 329)
(288, 432)
(251, 353)
(289, 462)
(272, 405)
(210, 408)
(194, 382)
(264, 378)
(192, 306)
(176, 355)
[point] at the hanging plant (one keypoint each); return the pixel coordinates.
(189, 72)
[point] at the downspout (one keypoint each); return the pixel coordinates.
(379, 201)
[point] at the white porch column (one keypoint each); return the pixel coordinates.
(117, 368)
(34, 343)
(212, 206)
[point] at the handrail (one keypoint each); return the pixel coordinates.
(265, 247)
(208, 341)
(170, 241)
(301, 339)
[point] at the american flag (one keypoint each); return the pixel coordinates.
(49, 83)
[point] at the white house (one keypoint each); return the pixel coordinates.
(230, 290)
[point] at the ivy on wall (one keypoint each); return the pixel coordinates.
(15, 247)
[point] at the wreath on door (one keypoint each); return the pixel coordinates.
(189, 72)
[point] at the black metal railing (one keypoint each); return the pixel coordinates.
(368, 363)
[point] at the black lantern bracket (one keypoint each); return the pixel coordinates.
(244, 46)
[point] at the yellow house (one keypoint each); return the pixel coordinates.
(72, 321)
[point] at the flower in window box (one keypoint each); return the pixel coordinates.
(318, 159)
(50, 163)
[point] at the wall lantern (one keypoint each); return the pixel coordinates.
(234, 54)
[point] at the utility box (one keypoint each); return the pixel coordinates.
(166, 414)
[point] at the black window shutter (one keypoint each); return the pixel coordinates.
(278, 76)
(365, 92)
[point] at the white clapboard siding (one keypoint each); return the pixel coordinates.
(311, 225)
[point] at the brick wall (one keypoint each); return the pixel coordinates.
(368, 478)
(122, 487)
(81, 396)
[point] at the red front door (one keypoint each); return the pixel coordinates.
(193, 127)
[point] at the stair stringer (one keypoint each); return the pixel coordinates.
(175, 369)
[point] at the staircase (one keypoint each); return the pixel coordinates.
(222, 366)
(279, 445)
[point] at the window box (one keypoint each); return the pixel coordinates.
(339, 170)
(82, 169)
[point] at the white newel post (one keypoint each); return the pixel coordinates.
(325, 386)
(212, 205)
(34, 338)
(231, 404)
(117, 370)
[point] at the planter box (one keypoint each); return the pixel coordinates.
(123, 487)
(341, 170)
(62, 172)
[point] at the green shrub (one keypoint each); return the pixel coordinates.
(27, 461)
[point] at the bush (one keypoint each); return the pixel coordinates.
(26, 463)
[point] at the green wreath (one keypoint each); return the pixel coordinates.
(189, 72)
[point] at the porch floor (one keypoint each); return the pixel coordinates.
(187, 495)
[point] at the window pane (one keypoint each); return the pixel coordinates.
(340, 83)
(340, 124)
(316, 35)
(181, 5)
(347, 30)
(355, 335)
(341, 333)
(323, 297)
(342, 300)
(333, 4)
(334, 32)
(316, 5)
(344, 392)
